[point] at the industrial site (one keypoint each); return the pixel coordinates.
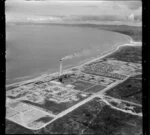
(36, 104)
(74, 67)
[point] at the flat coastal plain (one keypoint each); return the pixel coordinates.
(101, 96)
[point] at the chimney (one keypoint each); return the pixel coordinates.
(60, 71)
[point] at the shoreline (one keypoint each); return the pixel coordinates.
(80, 64)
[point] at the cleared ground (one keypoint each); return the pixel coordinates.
(95, 89)
(56, 108)
(25, 115)
(95, 117)
(81, 85)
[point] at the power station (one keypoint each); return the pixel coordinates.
(61, 75)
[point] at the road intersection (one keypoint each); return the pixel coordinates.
(101, 95)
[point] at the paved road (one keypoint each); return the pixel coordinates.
(126, 111)
(98, 94)
(82, 102)
(125, 101)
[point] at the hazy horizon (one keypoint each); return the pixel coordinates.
(67, 11)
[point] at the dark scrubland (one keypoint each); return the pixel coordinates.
(95, 117)
(13, 128)
(128, 54)
(130, 90)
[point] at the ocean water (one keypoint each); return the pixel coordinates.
(35, 49)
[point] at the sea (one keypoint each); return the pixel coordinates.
(34, 49)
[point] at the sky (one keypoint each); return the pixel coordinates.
(23, 9)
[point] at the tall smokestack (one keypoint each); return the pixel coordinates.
(60, 71)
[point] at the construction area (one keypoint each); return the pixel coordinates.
(26, 115)
(112, 68)
(35, 104)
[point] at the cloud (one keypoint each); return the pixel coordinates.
(95, 10)
(134, 5)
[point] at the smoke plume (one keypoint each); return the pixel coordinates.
(84, 52)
